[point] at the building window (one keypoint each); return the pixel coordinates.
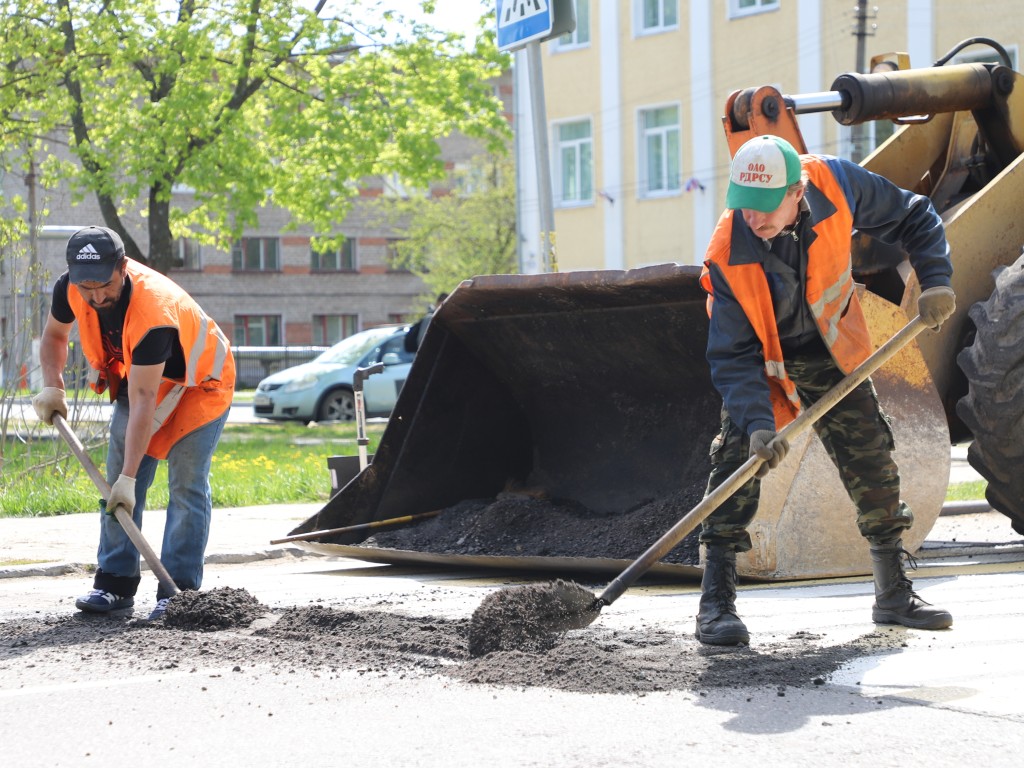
(257, 330)
(255, 254)
(749, 7)
(657, 15)
(579, 37)
(396, 186)
(186, 254)
(341, 259)
(574, 157)
(660, 171)
(330, 329)
(392, 257)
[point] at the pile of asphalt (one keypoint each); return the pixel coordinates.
(220, 608)
(519, 525)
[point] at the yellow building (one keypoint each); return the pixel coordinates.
(635, 96)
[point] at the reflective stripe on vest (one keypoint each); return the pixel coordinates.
(167, 405)
(204, 340)
(829, 291)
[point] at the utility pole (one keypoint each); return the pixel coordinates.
(858, 133)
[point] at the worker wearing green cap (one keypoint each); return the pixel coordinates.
(785, 327)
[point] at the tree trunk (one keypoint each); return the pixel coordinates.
(161, 245)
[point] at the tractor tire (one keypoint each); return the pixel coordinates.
(993, 408)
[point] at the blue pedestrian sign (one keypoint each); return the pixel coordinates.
(522, 21)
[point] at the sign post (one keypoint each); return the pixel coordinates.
(526, 23)
(549, 260)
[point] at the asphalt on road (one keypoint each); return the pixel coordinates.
(948, 698)
(943, 698)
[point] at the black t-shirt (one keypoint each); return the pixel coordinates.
(159, 345)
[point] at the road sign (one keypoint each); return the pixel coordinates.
(523, 21)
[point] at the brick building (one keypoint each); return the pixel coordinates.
(271, 288)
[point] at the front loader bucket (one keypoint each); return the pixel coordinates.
(586, 389)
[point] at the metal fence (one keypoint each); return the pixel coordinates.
(253, 364)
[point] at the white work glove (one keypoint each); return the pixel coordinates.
(767, 445)
(122, 494)
(49, 401)
(935, 305)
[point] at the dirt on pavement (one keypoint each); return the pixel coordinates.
(327, 640)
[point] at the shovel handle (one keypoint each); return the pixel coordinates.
(357, 527)
(749, 468)
(120, 513)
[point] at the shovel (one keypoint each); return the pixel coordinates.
(120, 513)
(561, 605)
(357, 527)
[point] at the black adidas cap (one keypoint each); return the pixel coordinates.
(92, 254)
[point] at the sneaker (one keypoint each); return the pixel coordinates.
(101, 601)
(160, 609)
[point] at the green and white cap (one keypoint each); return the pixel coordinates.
(763, 168)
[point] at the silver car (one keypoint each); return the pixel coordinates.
(322, 389)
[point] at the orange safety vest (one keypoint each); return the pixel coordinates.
(829, 292)
(183, 405)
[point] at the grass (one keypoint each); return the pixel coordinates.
(266, 463)
(254, 464)
(970, 491)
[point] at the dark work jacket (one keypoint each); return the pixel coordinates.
(735, 352)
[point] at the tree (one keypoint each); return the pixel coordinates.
(246, 102)
(471, 231)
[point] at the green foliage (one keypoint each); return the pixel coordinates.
(471, 231)
(245, 103)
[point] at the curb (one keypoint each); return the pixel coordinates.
(44, 569)
(973, 507)
(69, 568)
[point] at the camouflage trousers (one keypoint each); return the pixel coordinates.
(858, 438)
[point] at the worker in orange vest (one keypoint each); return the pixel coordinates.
(170, 374)
(786, 326)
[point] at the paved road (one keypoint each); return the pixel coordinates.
(942, 699)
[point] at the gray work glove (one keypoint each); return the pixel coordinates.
(49, 401)
(935, 305)
(122, 494)
(767, 445)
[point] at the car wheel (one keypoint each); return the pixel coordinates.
(337, 405)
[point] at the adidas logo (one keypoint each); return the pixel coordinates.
(88, 253)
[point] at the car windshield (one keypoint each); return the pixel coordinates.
(349, 351)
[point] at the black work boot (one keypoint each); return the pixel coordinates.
(895, 599)
(717, 621)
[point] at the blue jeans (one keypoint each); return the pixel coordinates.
(189, 509)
